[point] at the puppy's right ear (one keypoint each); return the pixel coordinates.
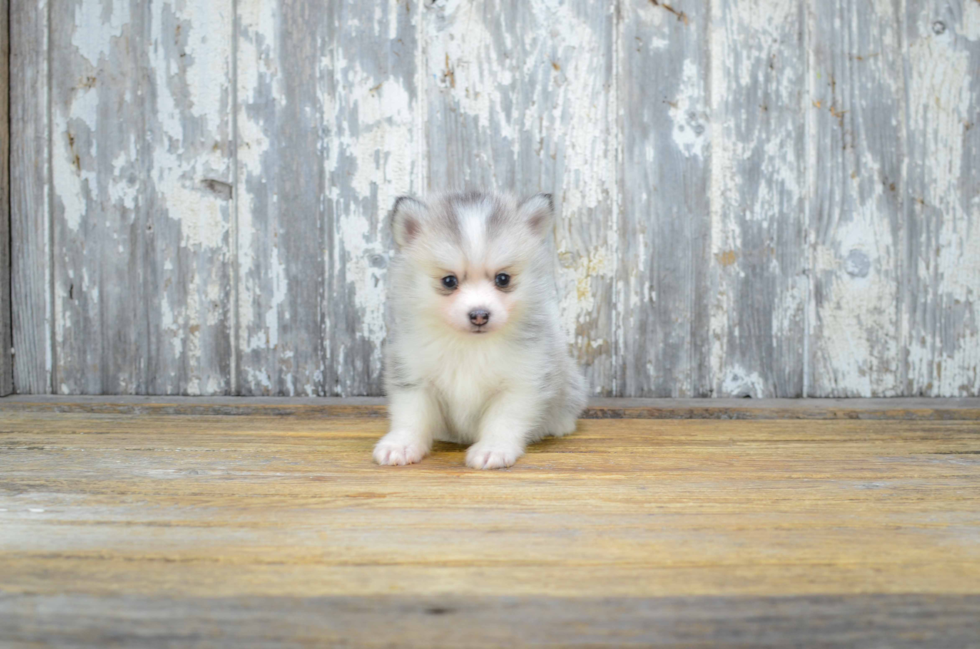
(406, 219)
(538, 212)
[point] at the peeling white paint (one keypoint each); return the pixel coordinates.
(260, 295)
(373, 144)
(279, 286)
(168, 325)
(763, 139)
(97, 22)
(855, 339)
(385, 120)
(124, 187)
(943, 99)
(536, 108)
(75, 179)
(971, 21)
(201, 60)
(468, 67)
(130, 154)
(737, 381)
(690, 131)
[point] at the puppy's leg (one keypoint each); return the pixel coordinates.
(563, 416)
(562, 423)
(504, 431)
(415, 419)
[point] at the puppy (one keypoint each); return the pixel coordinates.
(475, 353)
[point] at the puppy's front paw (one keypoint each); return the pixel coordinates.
(398, 449)
(492, 456)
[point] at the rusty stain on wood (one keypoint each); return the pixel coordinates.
(726, 257)
(681, 16)
(449, 76)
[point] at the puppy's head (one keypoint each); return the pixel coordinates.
(470, 262)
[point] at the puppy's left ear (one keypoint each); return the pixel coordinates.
(407, 215)
(539, 213)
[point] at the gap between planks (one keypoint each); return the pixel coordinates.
(909, 409)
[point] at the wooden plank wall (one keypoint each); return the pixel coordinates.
(6, 359)
(30, 217)
(765, 199)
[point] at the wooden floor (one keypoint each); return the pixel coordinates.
(173, 526)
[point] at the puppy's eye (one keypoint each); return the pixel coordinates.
(450, 282)
(502, 280)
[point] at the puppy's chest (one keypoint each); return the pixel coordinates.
(465, 382)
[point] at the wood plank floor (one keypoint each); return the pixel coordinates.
(148, 529)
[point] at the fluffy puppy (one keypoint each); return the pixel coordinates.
(475, 354)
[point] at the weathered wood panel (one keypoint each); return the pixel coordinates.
(855, 155)
(141, 188)
(756, 198)
(99, 190)
(6, 341)
(864, 532)
(662, 318)
(942, 266)
(373, 157)
(757, 202)
(521, 97)
(189, 268)
(327, 132)
(280, 215)
(30, 184)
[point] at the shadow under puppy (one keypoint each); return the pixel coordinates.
(476, 354)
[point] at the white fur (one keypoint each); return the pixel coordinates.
(498, 386)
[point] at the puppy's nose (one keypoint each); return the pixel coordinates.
(479, 317)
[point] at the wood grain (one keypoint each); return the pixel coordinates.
(30, 184)
(188, 274)
(758, 174)
(943, 198)
(521, 97)
(835, 526)
(281, 233)
(373, 157)
(757, 198)
(140, 134)
(856, 153)
(894, 621)
(326, 124)
(6, 340)
(662, 315)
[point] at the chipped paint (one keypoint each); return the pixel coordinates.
(970, 29)
(855, 338)
(257, 70)
(740, 382)
(96, 22)
(737, 238)
(374, 147)
(140, 113)
(757, 305)
(690, 132)
(944, 337)
(379, 154)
